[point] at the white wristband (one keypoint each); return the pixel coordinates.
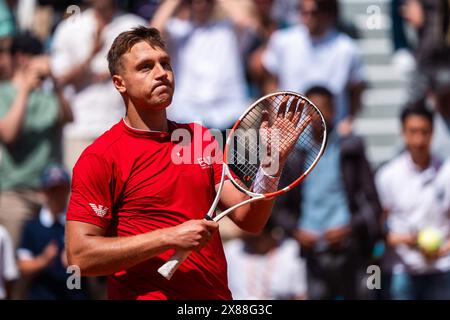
(265, 183)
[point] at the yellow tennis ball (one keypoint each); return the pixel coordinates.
(429, 239)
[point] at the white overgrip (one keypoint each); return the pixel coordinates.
(168, 269)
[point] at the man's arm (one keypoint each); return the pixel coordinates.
(165, 11)
(11, 123)
(32, 266)
(251, 217)
(355, 92)
(95, 254)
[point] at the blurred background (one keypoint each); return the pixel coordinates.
(371, 222)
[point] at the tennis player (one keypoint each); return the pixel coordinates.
(132, 204)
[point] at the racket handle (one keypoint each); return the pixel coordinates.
(168, 269)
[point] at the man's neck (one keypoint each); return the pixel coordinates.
(422, 162)
(319, 35)
(156, 120)
(105, 15)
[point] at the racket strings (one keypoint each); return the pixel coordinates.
(252, 143)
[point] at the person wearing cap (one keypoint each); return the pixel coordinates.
(31, 121)
(41, 254)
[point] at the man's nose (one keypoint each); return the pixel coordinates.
(160, 71)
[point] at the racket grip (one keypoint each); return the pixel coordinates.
(168, 269)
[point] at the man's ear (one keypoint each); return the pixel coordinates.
(119, 83)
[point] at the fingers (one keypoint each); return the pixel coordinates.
(265, 120)
(305, 123)
(298, 114)
(292, 109)
(282, 108)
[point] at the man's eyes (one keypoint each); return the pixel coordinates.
(148, 67)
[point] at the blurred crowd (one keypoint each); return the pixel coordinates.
(56, 98)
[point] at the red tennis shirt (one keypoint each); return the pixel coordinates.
(130, 182)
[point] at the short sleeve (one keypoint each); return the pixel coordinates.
(91, 200)
(270, 58)
(8, 260)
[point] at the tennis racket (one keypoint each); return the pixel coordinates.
(258, 152)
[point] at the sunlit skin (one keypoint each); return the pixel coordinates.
(417, 133)
(146, 82)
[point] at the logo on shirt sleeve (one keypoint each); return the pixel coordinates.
(99, 210)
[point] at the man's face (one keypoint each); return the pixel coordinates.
(102, 4)
(325, 105)
(147, 77)
(202, 10)
(263, 6)
(5, 58)
(56, 197)
(417, 134)
(317, 22)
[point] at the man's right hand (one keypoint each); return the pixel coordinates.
(27, 80)
(193, 234)
(50, 252)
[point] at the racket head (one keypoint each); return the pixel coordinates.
(246, 146)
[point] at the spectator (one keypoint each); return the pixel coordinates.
(266, 266)
(408, 187)
(6, 31)
(207, 62)
(79, 63)
(8, 268)
(340, 213)
(299, 57)
(41, 255)
(31, 120)
(429, 18)
(402, 58)
(440, 96)
(265, 26)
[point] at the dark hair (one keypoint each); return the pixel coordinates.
(26, 43)
(328, 6)
(126, 40)
(418, 108)
(319, 90)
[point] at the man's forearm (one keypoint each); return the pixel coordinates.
(11, 123)
(104, 255)
(163, 14)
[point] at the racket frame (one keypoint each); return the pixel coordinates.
(168, 269)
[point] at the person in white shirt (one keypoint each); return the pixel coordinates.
(412, 195)
(8, 268)
(316, 53)
(210, 79)
(78, 61)
(266, 267)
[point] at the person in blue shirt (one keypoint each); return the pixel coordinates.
(338, 211)
(41, 254)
